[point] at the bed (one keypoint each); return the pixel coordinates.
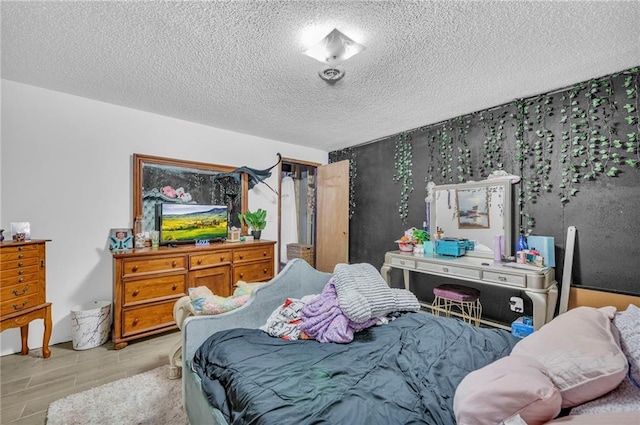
(414, 369)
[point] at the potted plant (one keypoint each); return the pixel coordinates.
(422, 240)
(256, 221)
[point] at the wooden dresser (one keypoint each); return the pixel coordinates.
(147, 282)
(23, 289)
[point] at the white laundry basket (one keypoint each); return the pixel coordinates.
(90, 324)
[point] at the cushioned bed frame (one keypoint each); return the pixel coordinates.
(297, 279)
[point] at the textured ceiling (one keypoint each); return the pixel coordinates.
(239, 65)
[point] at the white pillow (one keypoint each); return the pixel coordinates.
(580, 350)
(509, 386)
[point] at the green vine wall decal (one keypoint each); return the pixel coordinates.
(493, 124)
(555, 142)
(403, 163)
(632, 107)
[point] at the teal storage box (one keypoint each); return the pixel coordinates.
(545, 245)
(451, 246)
(522, 326)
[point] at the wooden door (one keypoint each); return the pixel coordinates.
(332, 222)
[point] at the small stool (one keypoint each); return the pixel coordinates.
(466, 299)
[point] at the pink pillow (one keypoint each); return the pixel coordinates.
(509, 386)
(581, 351)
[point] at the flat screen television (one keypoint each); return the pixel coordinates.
(183, 223)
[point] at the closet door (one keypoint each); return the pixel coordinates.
(332, 222)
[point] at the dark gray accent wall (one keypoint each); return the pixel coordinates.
(605, 210)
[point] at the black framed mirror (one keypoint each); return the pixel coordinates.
(158, 180)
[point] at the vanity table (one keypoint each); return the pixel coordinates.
(482, 212)
(539, 284)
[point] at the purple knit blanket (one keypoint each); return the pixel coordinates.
(324, 321)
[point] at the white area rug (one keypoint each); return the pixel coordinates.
(147, 398)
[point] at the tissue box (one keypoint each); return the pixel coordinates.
(522, 326)
(233, 235)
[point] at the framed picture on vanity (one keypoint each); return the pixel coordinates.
(120, 239)
(473, 208)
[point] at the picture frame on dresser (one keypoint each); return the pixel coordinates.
(158, 180)
(120, 238)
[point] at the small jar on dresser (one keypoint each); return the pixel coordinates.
(23, 289)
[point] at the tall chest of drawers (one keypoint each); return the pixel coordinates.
(147, 282)
(23, 289)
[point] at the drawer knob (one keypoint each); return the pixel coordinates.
(135, 293)
(20, 263)
(134, 269)
(17, 307)
(19, 248)
(135, 321)
(20, 279)
(241, 275)
(20, 255)
(20, 271)
(221, 258)
(264, 253)
(200, 261)
(502, 278)
(174, 287)
(174, 263)
(445, 269)
(264, 271)
(241, 256)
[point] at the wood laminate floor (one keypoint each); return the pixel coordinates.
(30, 383)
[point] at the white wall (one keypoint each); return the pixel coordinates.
(67, 169)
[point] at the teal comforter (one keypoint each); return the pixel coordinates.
(404, 372)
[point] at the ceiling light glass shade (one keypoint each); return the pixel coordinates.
(335, 48)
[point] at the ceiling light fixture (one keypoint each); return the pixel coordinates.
(332, 50)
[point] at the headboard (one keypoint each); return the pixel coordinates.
(593, 298)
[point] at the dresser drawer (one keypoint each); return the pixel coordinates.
(23, 274)
(446, 269)
(141, 290)
(13, 292)
(20, 303)
(11, 253)
(257, 272)
(403, 263)
(505, 279)
(19, 263)
(201, 261)
(147, 318)
(251, 254)
(141, 266)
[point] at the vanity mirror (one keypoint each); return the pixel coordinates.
(477, 211)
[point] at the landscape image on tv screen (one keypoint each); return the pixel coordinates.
(185, 222)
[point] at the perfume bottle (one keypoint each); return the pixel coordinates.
(522, 243)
